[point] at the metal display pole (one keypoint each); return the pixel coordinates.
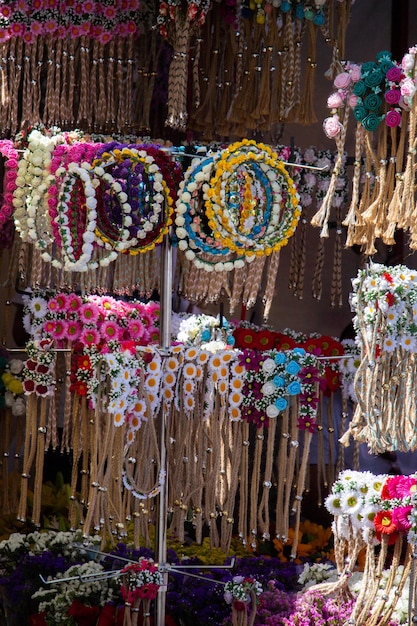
(162, 503)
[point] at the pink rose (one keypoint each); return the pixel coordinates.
(342, 80)
(407, 62)
(332, 126)
(355, 73)
(353, 101)
(408, 89)
(335, 100)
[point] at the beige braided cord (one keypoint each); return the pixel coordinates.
(301, 481)
(128, 110)
(228, 64)
(255, 483)
(290, 464)
(29, 452)
(271, 278)
(371, 578)
(39, 461)
(254, 282)
(407, 199)
(336, 295)
(239, 279)
(380, 607)
(281, 516)
(244, 58)
(244, 484)
(351, 216)
(57, 83)
(307, 114)
(264, 506)
(294, 91)
(322, 216)
(101, 111)
(287, 74)
(27, 85)
(5, 53)
(394, 208)
(374, 216)
(260, 112)
(78, 413)
(178, 75)
(204, 117)
(121, 93)
(16, 82)
(110, 86)
(233, 432)
(317, 284)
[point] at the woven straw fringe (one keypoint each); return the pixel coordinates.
(84, 83)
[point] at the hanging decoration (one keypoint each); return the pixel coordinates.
(385, 312)
(373, 510)
(250, 211)
(88, 78)
(247, 64)
(94, 361)
(380, 96)
(85, 206)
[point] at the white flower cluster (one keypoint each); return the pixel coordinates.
(348, 368)
(87, 587)
(385, 301)
(354, 501)
(314, 573)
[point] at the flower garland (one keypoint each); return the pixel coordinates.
(371, 509)
(11, 155)
(272, 378)
(384, 304)
(102, 21)
(200, 245)
(242, 592)
(32, 181)
(154, 209)
(11, 387)
(261, 229)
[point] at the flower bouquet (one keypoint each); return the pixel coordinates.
(139, 585)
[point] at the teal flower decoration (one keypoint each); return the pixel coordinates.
(292, 368)
(371, 121)
(280, 358)
(359, 112)
(278, 381)
(281, 404)
(294, 388)
(372, 102)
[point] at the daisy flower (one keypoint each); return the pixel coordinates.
(408, 343)
(333, 504)
(235, 414)
(89, 313)
(58, 303)
(38, 307)
(74, 303)
(401, 518)
(368, 513)
(390, 343)
(136, 329)
(89, 337)
(109, 331)
(384, 524)
(59, 330)
(189, 403)
(189, 370)
(130, 436)
(73, 330)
